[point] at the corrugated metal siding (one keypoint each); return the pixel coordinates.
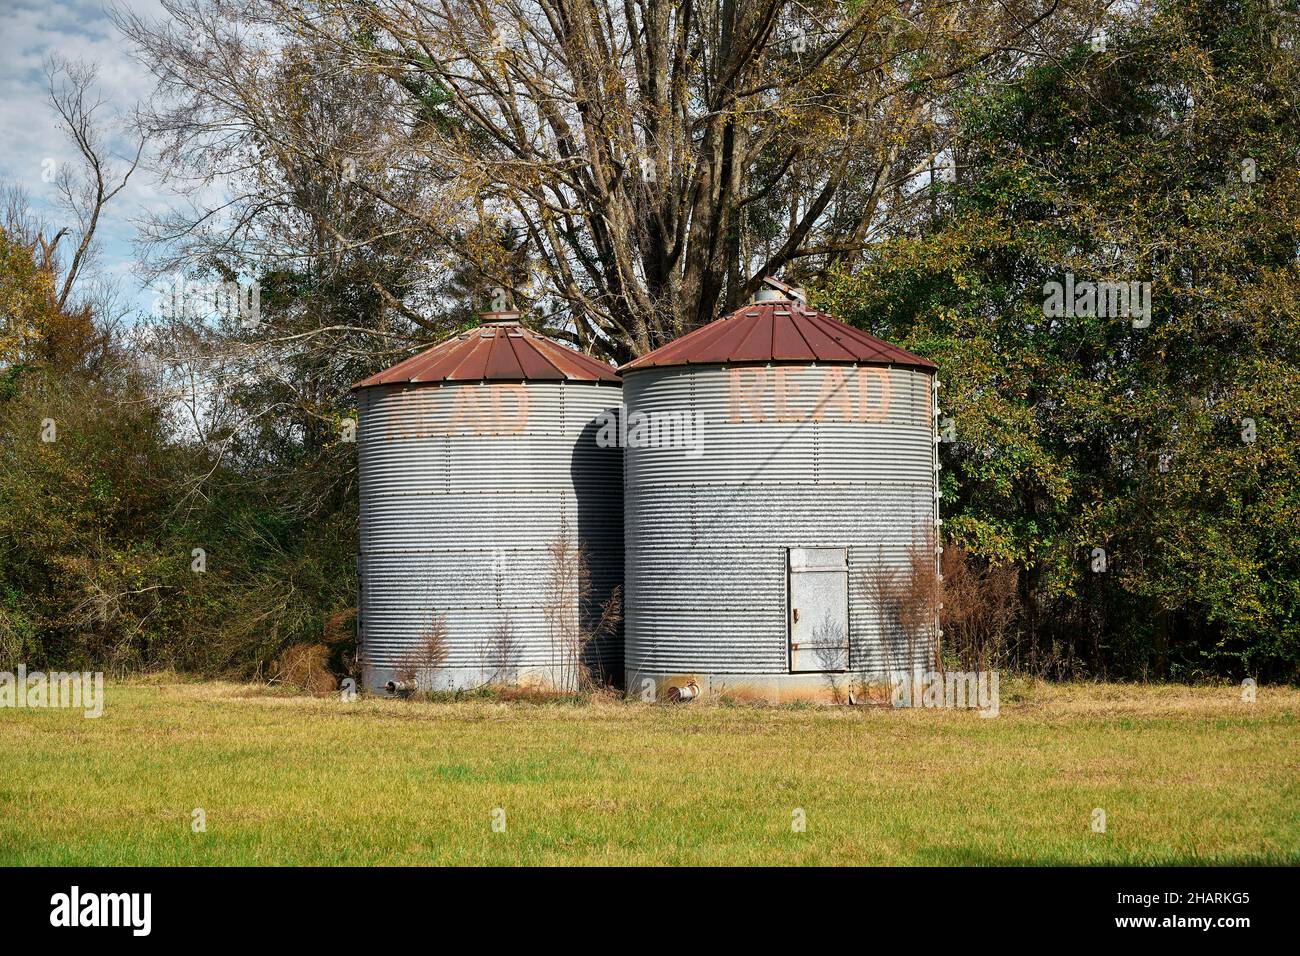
(706, 537)
(459, 523)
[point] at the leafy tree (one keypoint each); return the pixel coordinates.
(1166, 154)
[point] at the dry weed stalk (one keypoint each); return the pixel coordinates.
(428, 655)
(831, 643)
(501, 654)
(905, 602)
(568, 607)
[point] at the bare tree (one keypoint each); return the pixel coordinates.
(625, 169)
(86, 191)
(86, 317)
(275, 152)
(662, 156)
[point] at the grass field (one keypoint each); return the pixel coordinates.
(1184, 776)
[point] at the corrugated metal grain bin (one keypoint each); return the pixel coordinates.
(482, 487)
(787, 549)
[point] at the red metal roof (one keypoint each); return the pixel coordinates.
(776, 331)
(497, 351)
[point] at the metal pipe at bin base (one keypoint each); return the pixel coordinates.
(680, 695)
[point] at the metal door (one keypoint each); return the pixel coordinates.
(819, 609)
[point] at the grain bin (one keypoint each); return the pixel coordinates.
(482, 486)
(787, 547)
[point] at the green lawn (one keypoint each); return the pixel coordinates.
(1184, 776)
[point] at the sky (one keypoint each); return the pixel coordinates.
(30, 31)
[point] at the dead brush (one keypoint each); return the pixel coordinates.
(339, 626)
(980, 601)
(305, 667)
(339, 631)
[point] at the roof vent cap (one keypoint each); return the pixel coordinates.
(774, 290)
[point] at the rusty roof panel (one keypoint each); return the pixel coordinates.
(829, 345)
(777, 331)
(533, 362)
(501, 360)
(497, 351)
(707, 337)
(754, 340)
(789, 340)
